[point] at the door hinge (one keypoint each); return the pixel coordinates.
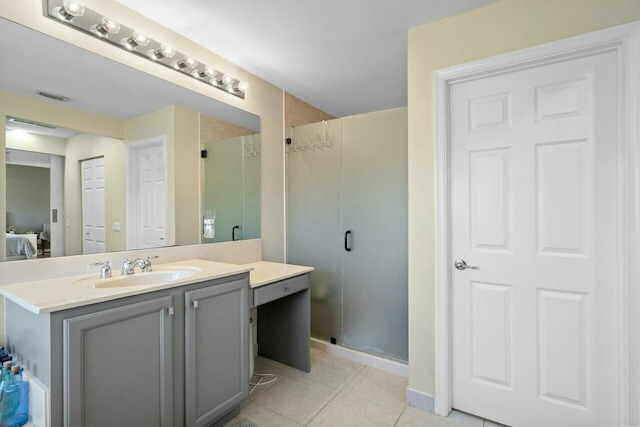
(195, 304)
(170, 311)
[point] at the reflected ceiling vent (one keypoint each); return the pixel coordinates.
(61, 98)
(30, 123)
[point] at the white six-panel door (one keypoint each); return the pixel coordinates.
(533, 206)
(150, 197)
(93, 217)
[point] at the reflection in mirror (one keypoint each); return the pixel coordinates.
(115, 164)
(231, 175)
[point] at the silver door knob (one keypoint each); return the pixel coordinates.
(461, 264)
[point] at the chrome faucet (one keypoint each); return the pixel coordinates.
(128, 267)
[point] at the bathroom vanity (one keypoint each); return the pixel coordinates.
(280, 292)
(172, 352)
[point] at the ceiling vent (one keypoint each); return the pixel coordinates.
(53, 96)
(30, 123)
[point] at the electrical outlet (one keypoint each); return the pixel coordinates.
(115, 226)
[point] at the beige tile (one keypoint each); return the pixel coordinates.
(379, 386)
(317, 355)
(297, 397)
(347, 410)
(262, 417)
(413, 417)
(334, 371)
(263, 365)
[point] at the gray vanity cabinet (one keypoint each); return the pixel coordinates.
(118, 366)
(170, 358)
(216, 340)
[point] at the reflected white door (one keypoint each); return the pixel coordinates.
(93, 218)
(149, 196)
(534, 186)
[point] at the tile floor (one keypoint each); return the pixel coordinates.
(338, 392)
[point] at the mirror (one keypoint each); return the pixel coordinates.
(116, 164)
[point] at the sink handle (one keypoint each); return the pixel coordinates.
(105, 271)
(127, 267)
(147, 262)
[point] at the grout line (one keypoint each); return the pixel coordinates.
(277, 413)
(324, 406)
(362, 366)
(400, 416)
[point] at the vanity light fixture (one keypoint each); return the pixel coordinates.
(89, 21)
(107, 26)
(137, 39)
(68, 11)
(164, 51)
(184, 63)
(206, 72)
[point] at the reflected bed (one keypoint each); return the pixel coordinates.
(19, 246)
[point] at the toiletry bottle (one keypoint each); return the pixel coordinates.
(15, 404)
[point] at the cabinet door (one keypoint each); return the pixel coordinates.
(216, 343)
(118, 366)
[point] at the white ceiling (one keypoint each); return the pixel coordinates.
(343, 56)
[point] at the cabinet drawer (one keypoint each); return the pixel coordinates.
(273, 291)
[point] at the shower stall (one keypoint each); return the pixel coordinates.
(347, 217)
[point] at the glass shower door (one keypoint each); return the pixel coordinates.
(374, 212)
(313, 163)
(223, 184)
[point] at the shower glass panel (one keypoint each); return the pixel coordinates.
(374, 210)
(356, 186)
(232, 187)
(313, 163)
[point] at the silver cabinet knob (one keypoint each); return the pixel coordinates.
(461, 264)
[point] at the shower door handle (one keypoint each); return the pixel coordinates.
(346, 241)
(233, 232)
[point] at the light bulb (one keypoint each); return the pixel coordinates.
(164, 51)
(230, 88)
(204, 73)
(243, 86)
(185, 62)
(107, 26)
(137, 39)
(226, 79)
(68, 10)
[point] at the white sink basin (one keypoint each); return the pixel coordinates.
(168, 275)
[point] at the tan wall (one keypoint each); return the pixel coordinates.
(83, 147)
(187, 182)
(26, 108)
(212, 130)
(263, 99)
(297, 112)
(36, 143)
(500, 27)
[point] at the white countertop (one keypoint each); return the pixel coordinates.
(264, 272)
(45, 296)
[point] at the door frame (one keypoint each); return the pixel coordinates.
(131, 202)
(624, 40)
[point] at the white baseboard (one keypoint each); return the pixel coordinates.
(360, 357)
(421, 400)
